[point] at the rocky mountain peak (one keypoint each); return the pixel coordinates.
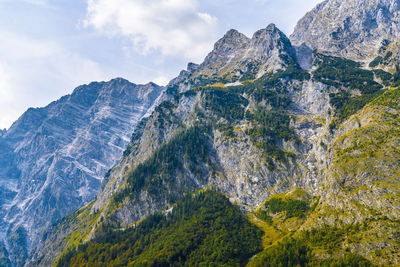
(231, 37)
(53, 159)
(229, 44)
(235, 52)
(119, 81)
(349, 28)
(270, 29)
(264, 42)
(264, 36)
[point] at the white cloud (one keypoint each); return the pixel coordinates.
(36, 72)
(172, 27)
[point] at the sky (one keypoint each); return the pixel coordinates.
(49, 47)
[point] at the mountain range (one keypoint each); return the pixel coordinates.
(275, 151)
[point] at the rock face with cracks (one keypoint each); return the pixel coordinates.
(53, 159)
(355, 29)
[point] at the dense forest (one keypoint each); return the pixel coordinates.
(297, 252)
(205, 229)
(202, 229)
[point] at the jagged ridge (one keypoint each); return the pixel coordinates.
(53, 159)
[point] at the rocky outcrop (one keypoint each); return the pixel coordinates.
(355, 29)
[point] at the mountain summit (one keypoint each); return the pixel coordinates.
(53, 159)
(354, 29)
(235, 54)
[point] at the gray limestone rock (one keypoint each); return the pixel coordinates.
(350, 28)
(53, 159)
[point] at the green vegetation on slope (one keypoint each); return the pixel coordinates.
(227, 130)
(137, 134)
(391, 99)
(384, 76)
(271, 86)
(225, 104)
(269, 128)
(374, 63)
(346, 105)
(189, 148)
(292, 207)
(344, 72)
(288, 253)
(340, 72)
(202, 229)
(165, 113)
(286, 245)
(365, 165)
(272, 124)
(250, 74)
(371, 149)
(295, 252)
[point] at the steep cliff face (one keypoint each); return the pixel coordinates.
(53, 159)
(355, 29)
(305, 142)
